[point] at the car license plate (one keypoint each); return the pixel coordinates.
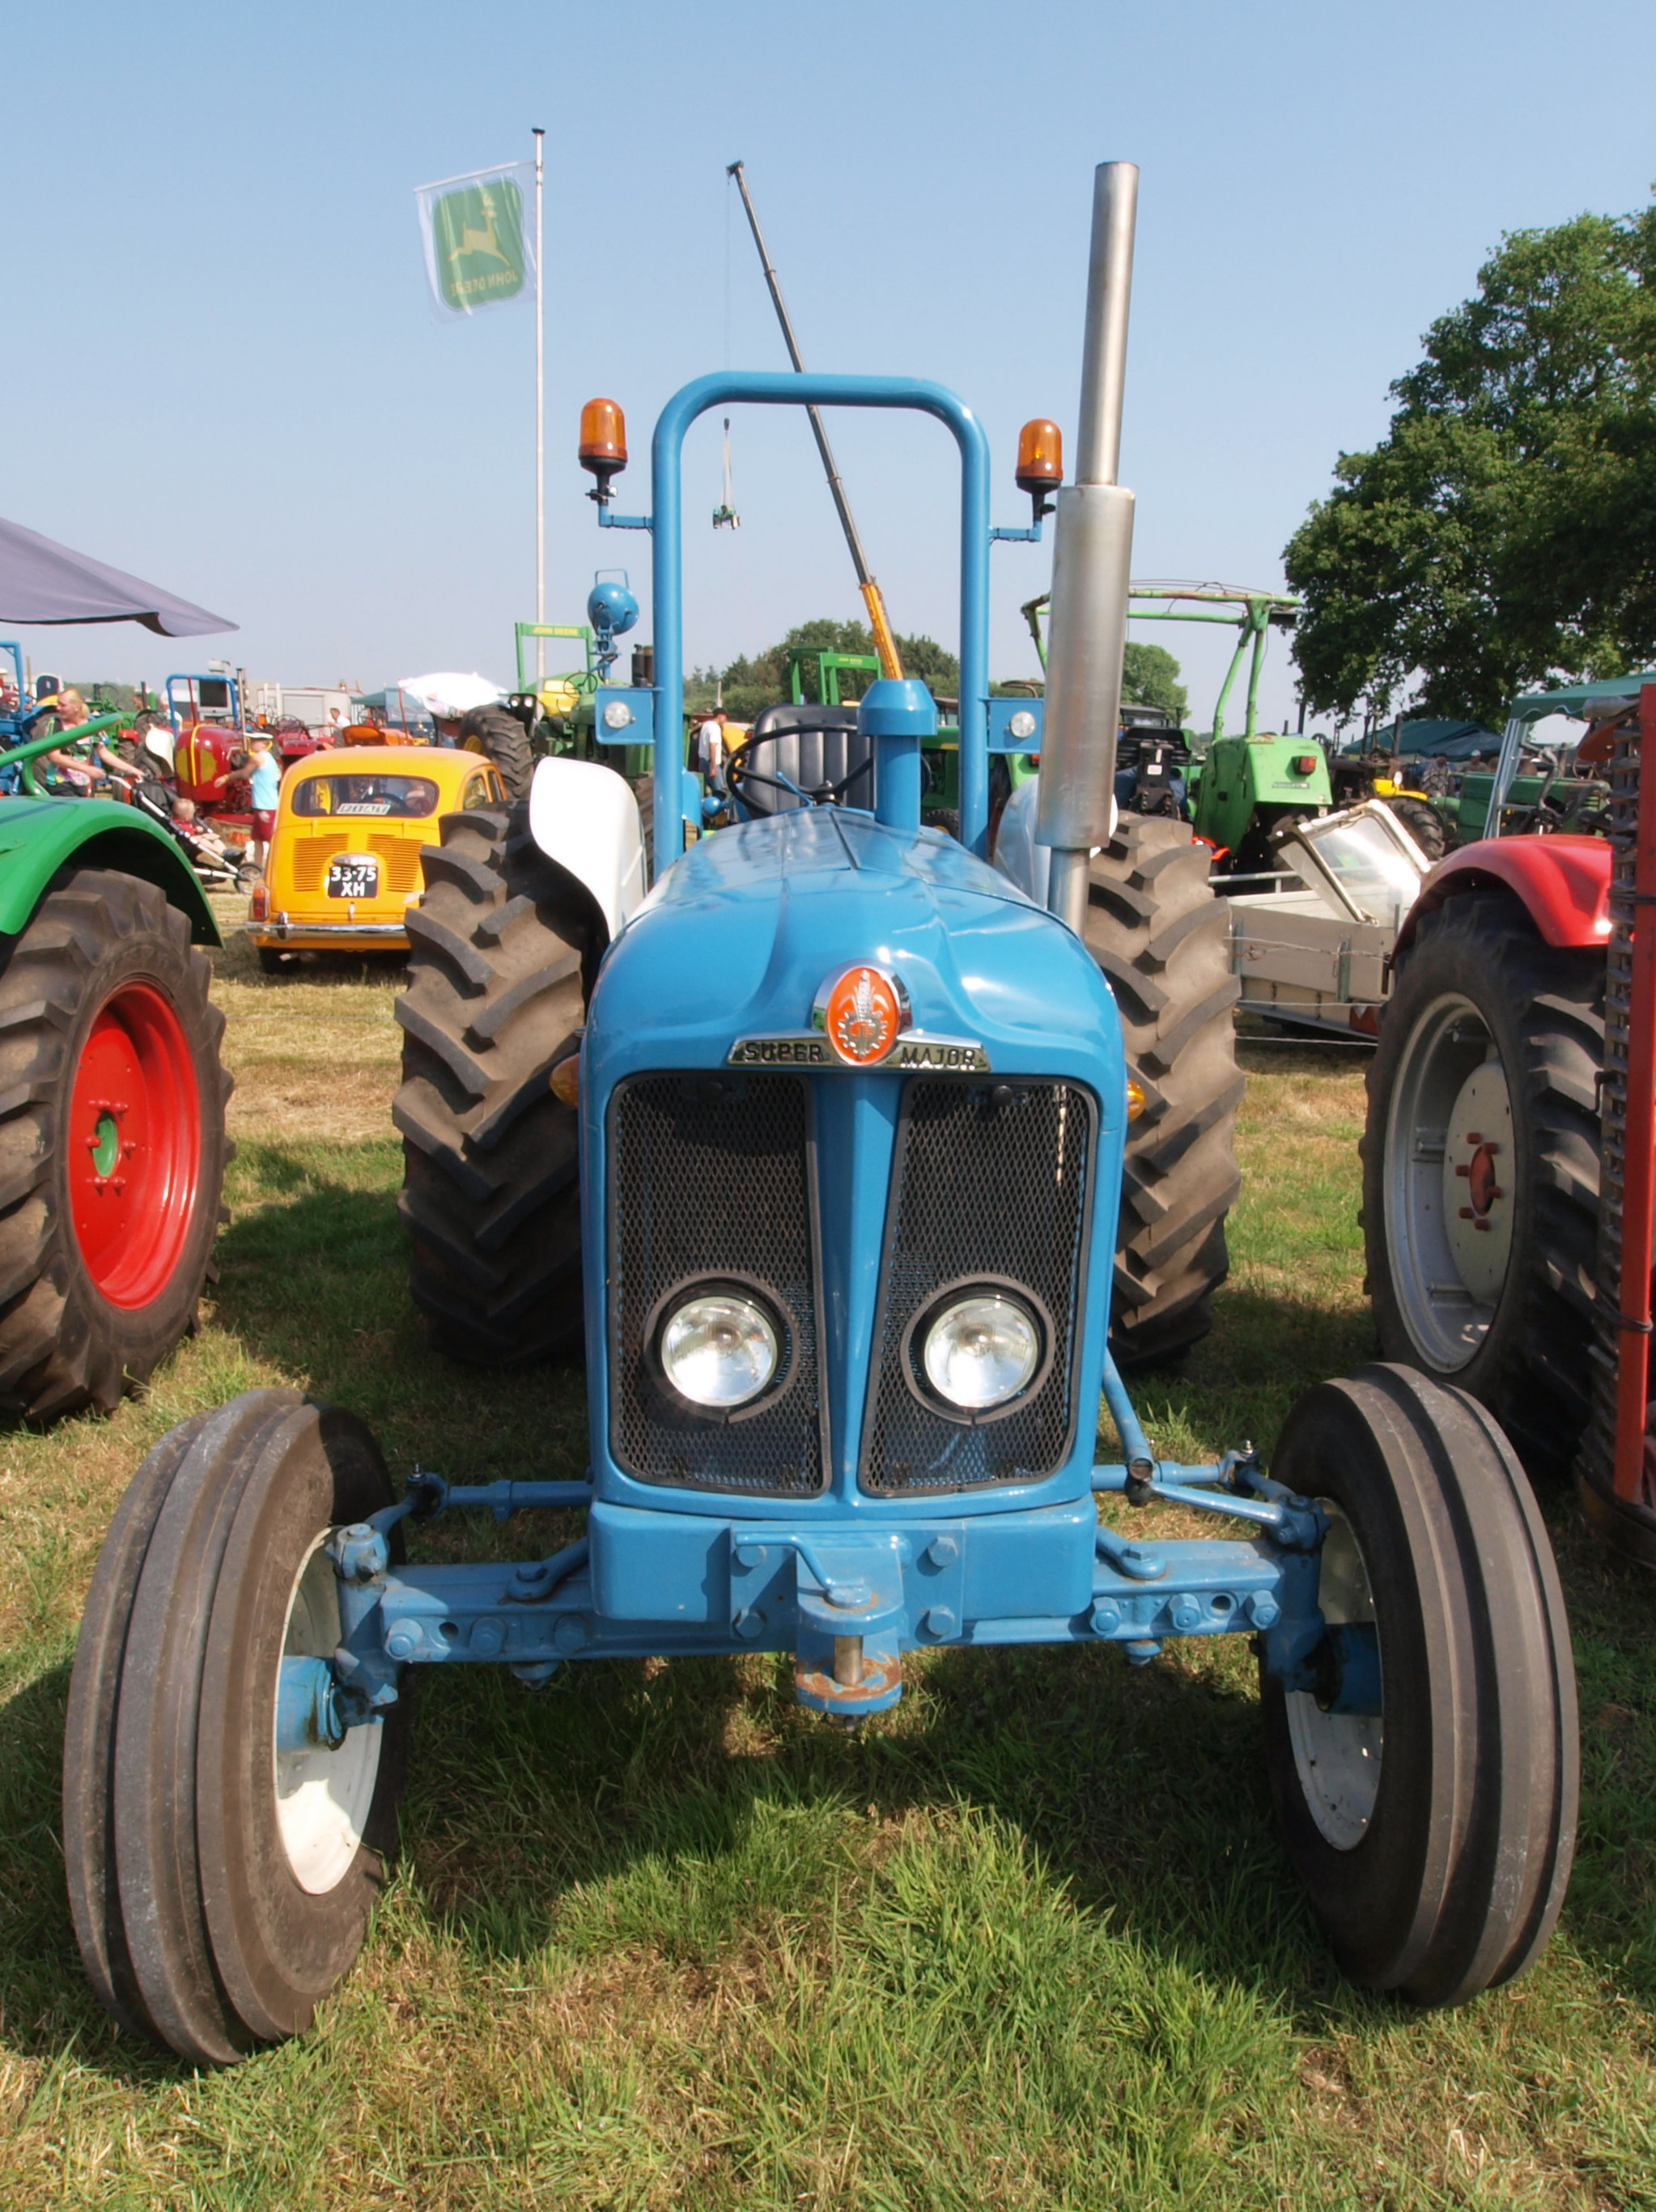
(352, 879)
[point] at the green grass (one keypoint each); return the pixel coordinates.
(659, 1938)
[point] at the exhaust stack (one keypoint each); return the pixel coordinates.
(1092, 567)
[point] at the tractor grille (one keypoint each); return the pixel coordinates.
(991, 1179)
(711, 1175)
(1597, 1450)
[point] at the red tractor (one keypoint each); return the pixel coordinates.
(211, 727)
(1507, 1183)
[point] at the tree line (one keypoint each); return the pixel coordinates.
(1502, 536)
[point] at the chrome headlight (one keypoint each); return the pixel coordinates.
(719, 1349)
(981, 1349)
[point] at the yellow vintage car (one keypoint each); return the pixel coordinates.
(344, 862)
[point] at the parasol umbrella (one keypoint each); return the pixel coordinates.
(44, 582)
(450, 695)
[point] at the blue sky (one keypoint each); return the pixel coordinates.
(223, 373)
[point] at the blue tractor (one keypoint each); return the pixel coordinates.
(826, 1134)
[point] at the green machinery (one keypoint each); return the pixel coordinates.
(940, 755)
(113, 1115)
(1244, 789)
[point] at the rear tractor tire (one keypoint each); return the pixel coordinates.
(1434, 1835)
(501, 736)
(1160, 937)
(113, 1148)
(221, 1888)
(1424, 824)
(496, 998)
(1481, 1168)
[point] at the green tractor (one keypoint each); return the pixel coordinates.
(113, 1147)
(940, 755)
(1240, 793)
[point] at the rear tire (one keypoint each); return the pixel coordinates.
(113, 1148)
(496, 998)
(1161, 938)
(498, 734)
(1424, 824)
(203, 1924)
(1435, 1839)
(1486, 1016)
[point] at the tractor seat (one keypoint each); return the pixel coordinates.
(811, 745)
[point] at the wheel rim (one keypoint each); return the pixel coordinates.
(134, 1145)
(323, 1797)
(1337, 1756)
(1449, 1195)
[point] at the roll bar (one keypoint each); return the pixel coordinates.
(771, 388)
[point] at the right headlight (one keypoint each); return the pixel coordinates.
(981, 1349)
(719, 1349)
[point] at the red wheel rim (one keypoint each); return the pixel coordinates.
(134, 1145)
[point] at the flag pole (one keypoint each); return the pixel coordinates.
(540, 418)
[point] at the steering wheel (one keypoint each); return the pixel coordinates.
(739, 776)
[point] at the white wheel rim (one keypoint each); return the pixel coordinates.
(1448, 1184)
(322, 1797)
(1337, 1756)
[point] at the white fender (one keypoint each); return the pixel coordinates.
(1016, 852)
(583, 815)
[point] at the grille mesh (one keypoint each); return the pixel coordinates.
(991, 1179)
(711, 1175)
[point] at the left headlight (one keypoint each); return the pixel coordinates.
(719, 1349)
(981, 1349)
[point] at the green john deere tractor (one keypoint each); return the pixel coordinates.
(1241, 792)
(113, 1148)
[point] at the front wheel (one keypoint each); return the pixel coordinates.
(219, 1887)
(1435, 1835)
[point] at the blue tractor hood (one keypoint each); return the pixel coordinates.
(740, 934)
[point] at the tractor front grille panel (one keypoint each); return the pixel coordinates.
(712, 1175)
(990, 1181)
(1596, 1458)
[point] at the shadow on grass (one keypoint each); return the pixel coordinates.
(673, 1809)
(685, 1811)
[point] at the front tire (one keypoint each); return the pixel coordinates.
(1161, 938)
(113, 1147)
(1481, 1168)
(1434, 1838)
(496, 998)
(217, 1895)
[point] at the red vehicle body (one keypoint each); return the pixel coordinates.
(209, 727)
(1570, 890)
(1563, 882)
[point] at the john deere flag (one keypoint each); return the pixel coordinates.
(479, 250)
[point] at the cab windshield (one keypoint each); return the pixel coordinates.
(403, 798)
(1365, 860)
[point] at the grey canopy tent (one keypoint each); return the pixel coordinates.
(44, 582)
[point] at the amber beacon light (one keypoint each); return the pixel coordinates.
(603, 449)
(1040, 462)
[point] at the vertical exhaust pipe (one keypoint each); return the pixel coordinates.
(1092, 567)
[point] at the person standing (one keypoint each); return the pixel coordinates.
(711, 749)
(266, 781)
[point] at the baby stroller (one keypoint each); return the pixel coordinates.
(221, 867)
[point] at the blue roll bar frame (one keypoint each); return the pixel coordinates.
(674, 794)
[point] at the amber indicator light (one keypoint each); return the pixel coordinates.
(603, 448)
(1040, 456)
